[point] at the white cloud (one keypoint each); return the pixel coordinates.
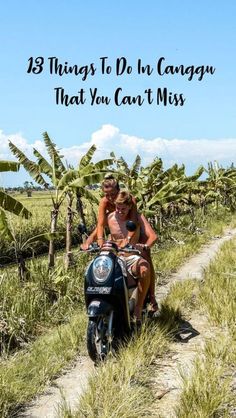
(109, 138)
(21, 143)
(190, 152)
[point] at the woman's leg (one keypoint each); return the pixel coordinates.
(141, 269)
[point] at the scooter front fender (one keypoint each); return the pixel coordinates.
(99, 308)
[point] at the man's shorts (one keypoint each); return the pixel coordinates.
(130, 262)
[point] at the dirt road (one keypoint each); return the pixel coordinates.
(167, 381)
(72, 384)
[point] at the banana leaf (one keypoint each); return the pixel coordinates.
(9, 166)
(42, 237)
(12, 205)
(85, 160)
(30, 166)
(4, 227)
(45, 167)
(56, 158)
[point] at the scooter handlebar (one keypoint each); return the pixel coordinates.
(129, 249)
(93, 248)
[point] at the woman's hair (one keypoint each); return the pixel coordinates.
(124, 198)
(110, 181)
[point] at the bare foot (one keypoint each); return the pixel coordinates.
(138, 313)
(154, 304)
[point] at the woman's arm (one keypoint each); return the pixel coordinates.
(147, 230)
(133, 236)
(101, 221)
(133, 213)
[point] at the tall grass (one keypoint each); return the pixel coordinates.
(29, 371)
(218, 292)
(48, 300)
(115, 390)
(120, 387)
(181, 297)
(208, 393)
(171, 254)
(40, 205)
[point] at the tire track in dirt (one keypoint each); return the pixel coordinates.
(71, 385)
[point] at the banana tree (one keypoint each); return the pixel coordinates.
(221, 182)
(75, 182)
(191, 191)
(151, 185)
(19, 245)
(72, 183)
(37, 170)
(7, 202)
(128, 175)
(148, 182)
(65, 181)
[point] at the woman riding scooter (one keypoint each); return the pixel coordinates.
(110, 188)
(137, 266)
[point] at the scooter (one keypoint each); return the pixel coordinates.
(109, 301)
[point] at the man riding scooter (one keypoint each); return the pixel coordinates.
(112, 310)
(111, 189)
(137, 266)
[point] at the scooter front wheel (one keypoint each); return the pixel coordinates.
(98, 343)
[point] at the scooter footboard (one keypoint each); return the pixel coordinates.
(98, 308)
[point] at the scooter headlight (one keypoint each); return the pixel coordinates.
(102, 267)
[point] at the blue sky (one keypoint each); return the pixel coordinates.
(188, 33)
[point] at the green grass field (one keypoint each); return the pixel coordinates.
(38, 313)
(123, 387)
(40, 205)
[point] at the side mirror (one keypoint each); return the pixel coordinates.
(82, 229)
(131, 226)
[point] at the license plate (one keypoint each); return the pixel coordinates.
(99, 290)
